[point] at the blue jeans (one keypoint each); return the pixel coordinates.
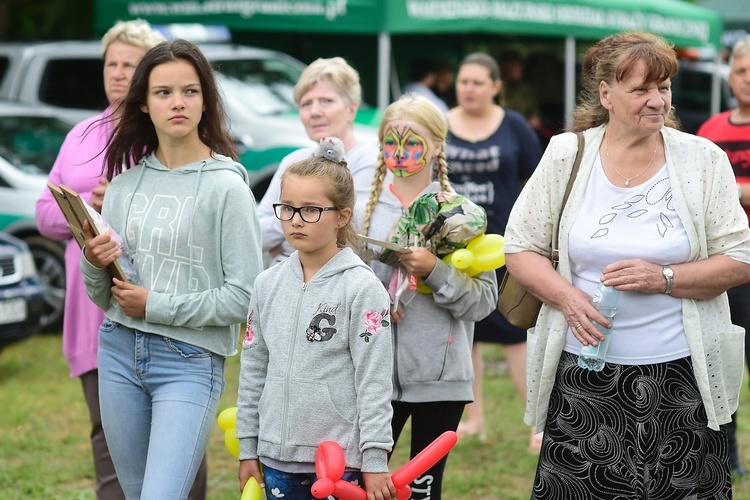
(298, 486)
(159, 399)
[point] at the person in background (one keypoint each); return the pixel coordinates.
(730, 131)
(444, 86)
(653, 213)
(317, 342)
(328, 94)
(432, 331)
(183, 207)
(491, 151)
(80, 166)
(423, 77)
(519, 96)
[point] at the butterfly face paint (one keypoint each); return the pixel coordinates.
(404, 151)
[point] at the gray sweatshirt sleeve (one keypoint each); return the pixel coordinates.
(371, 351)
(467, 298)
(97, 282)
(240, 258)
(253, 371)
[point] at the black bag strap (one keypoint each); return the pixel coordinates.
(568, 189)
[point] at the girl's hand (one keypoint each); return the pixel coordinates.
(379, 486)
(248, 469)
(132, 298)
(99, 250)
(419, 262)
(397, 312)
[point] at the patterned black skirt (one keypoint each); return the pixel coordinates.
(630, 432)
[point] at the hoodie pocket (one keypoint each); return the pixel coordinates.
(271, 410)
(314, 418)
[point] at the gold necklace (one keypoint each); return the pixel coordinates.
(628, 179)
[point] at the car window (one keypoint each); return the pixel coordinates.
(31, 143)
(74, 83)
(269, 83)
(4, 63)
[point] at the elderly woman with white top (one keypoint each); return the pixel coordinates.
(328, 94)
(653, 213)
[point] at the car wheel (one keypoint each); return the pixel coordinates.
(49, 257)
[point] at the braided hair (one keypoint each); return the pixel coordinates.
(422, 111)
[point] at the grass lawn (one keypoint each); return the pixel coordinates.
(44, 447)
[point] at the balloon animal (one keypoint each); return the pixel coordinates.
(227, 421)
(483, 253)
(329, 467)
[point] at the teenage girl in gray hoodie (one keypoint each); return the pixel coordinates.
(188, 217)
(316, 355)
(432, 335)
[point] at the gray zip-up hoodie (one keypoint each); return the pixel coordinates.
(195, 238)
(432, 342)
(316, 366)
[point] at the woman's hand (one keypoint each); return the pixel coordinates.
(635, 275)
(97, 195)
(581, 314)
(99, 250)
(419, 262)
(248, 469)
(379, 486)
(132, 298)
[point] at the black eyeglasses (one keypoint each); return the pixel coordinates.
(308, 214)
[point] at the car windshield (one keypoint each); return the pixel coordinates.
(266, 86)
(31, 143)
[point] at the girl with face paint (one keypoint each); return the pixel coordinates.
(433, 333)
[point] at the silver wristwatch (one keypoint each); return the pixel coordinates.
(669, 275)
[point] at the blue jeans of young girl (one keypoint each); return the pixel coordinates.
(297, 486)
(158, 401)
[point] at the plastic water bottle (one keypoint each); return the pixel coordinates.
(606, 301)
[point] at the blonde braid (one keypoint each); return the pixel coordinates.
(442, 172)
(377, 187)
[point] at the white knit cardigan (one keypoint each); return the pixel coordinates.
(705, 198)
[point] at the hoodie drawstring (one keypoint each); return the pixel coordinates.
(190, 223)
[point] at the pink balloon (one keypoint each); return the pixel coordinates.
(329, 467)
(424, 460)
(348, 491)
(329, 460)
(323, 487)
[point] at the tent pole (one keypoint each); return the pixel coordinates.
(570, 79)
(384, 69)
(715, 89)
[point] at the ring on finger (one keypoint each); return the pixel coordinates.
(578, 325)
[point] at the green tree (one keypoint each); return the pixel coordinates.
(46, 19)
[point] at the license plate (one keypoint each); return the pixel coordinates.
(12, 311)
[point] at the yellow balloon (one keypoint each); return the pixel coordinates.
(228, 418)
(462, 258)
(252, 490)
(231, 442)
(483, 253)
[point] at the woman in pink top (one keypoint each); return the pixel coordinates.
(79, 165)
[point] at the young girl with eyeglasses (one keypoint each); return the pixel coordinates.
(432, 334)
(317, 350)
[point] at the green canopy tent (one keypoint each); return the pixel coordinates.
(685, 24)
